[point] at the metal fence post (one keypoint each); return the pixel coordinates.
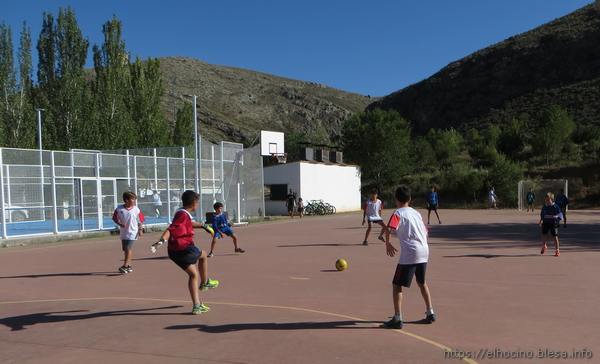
(99, 194)
(222, 179)
(212, 157)
(135, 185)
(128, 171)
(2, 195)
(54, 202)
(168, 189)
(155, 170)
(183, 165)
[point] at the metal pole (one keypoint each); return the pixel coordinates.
(155, 170)
(54, 202)
(212, 156)
(2, 195)
(223, 180)
(39, 120)
(183, 166)
(8, 194)
(128, 171)
(99, 193)
(168, 190)
(239, 218)
(196, 145)
(135, 185)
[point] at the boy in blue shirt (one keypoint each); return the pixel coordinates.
(222, 227)
(432, 204)
(530, 199)
(550, 217)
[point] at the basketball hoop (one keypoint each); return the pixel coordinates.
(279, 157)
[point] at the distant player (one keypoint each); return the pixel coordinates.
(157, 202)
(414, 253)
(372, 215)
(183, 252)
(290, 201)
(222, 227)
(550, 217)
(300, 207)
(492, 198)
(530, 199)
(432, 204)
(563, 202)
(129, 218)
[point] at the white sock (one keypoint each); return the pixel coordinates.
(429, 311)
(397, 317)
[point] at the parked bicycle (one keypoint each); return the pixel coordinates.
(319, 207)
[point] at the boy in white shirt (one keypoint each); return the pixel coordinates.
(372, 215)
(414, 253)
(129, 218)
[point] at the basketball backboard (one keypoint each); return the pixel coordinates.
(271, 143)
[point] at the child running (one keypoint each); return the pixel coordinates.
(414, 253)
(563, 202)
(183, 252)
(300, 207)
(432, 204)
(550, 217)
(222, 227)
(129, 218)
(372, 215)
(530, 199)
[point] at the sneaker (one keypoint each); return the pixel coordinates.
(430, 318)
(210, 284)
(210, 255)
(440, 222)
(381, 238)
(365, 243)
(557, 253)
(544, 249)
(392, 324)
(240, 250)
(123, 269)
(129, 269)
(200, 309)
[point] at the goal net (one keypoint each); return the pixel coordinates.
(540, 187)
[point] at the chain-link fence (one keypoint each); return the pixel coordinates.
(50, 192)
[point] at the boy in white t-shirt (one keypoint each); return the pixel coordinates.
(372, 215)
(414, 253)
(129, 218)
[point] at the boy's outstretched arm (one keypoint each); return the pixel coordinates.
(389, 248)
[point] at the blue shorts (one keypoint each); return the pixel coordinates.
(225, 230)
(127, 244)
(186, 257)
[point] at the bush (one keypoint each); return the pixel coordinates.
(504, 176)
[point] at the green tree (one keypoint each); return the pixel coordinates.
(183, 133)
(112, 127)
(512, 139)
(7, 78)
(552, 136)
(504, 176)
(447, 144)
(143, 101)
(46, 77)
(379, 142)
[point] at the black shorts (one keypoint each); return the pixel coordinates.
(405, 272)
(127, 244)
(290, 208)
(551, 229)
(186, 257)
(432, 207)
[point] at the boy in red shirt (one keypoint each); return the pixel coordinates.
(183, 252)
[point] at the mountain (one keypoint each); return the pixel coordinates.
(235, 104)
(557, 63)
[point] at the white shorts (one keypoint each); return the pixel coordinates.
(374, 219)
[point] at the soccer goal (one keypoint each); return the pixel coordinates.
(540, 187)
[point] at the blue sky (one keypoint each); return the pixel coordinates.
(370, 47)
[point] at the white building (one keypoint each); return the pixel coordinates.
(337, 184)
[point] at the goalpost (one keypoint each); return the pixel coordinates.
(540, 187)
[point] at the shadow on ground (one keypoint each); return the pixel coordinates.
(21, 322)
(576, 237)
(78, 274)
(274, 326)
(300, 245)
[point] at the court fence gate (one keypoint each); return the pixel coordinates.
(54, 192)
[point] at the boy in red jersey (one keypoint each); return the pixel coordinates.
(183, 252)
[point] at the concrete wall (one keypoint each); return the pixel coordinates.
(335, 184)
(289, 174)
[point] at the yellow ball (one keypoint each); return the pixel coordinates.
(341, 264)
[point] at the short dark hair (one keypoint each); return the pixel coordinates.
(189, 197)
(374, 191)
(217, 205)
(129, 195)
(403, 194)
